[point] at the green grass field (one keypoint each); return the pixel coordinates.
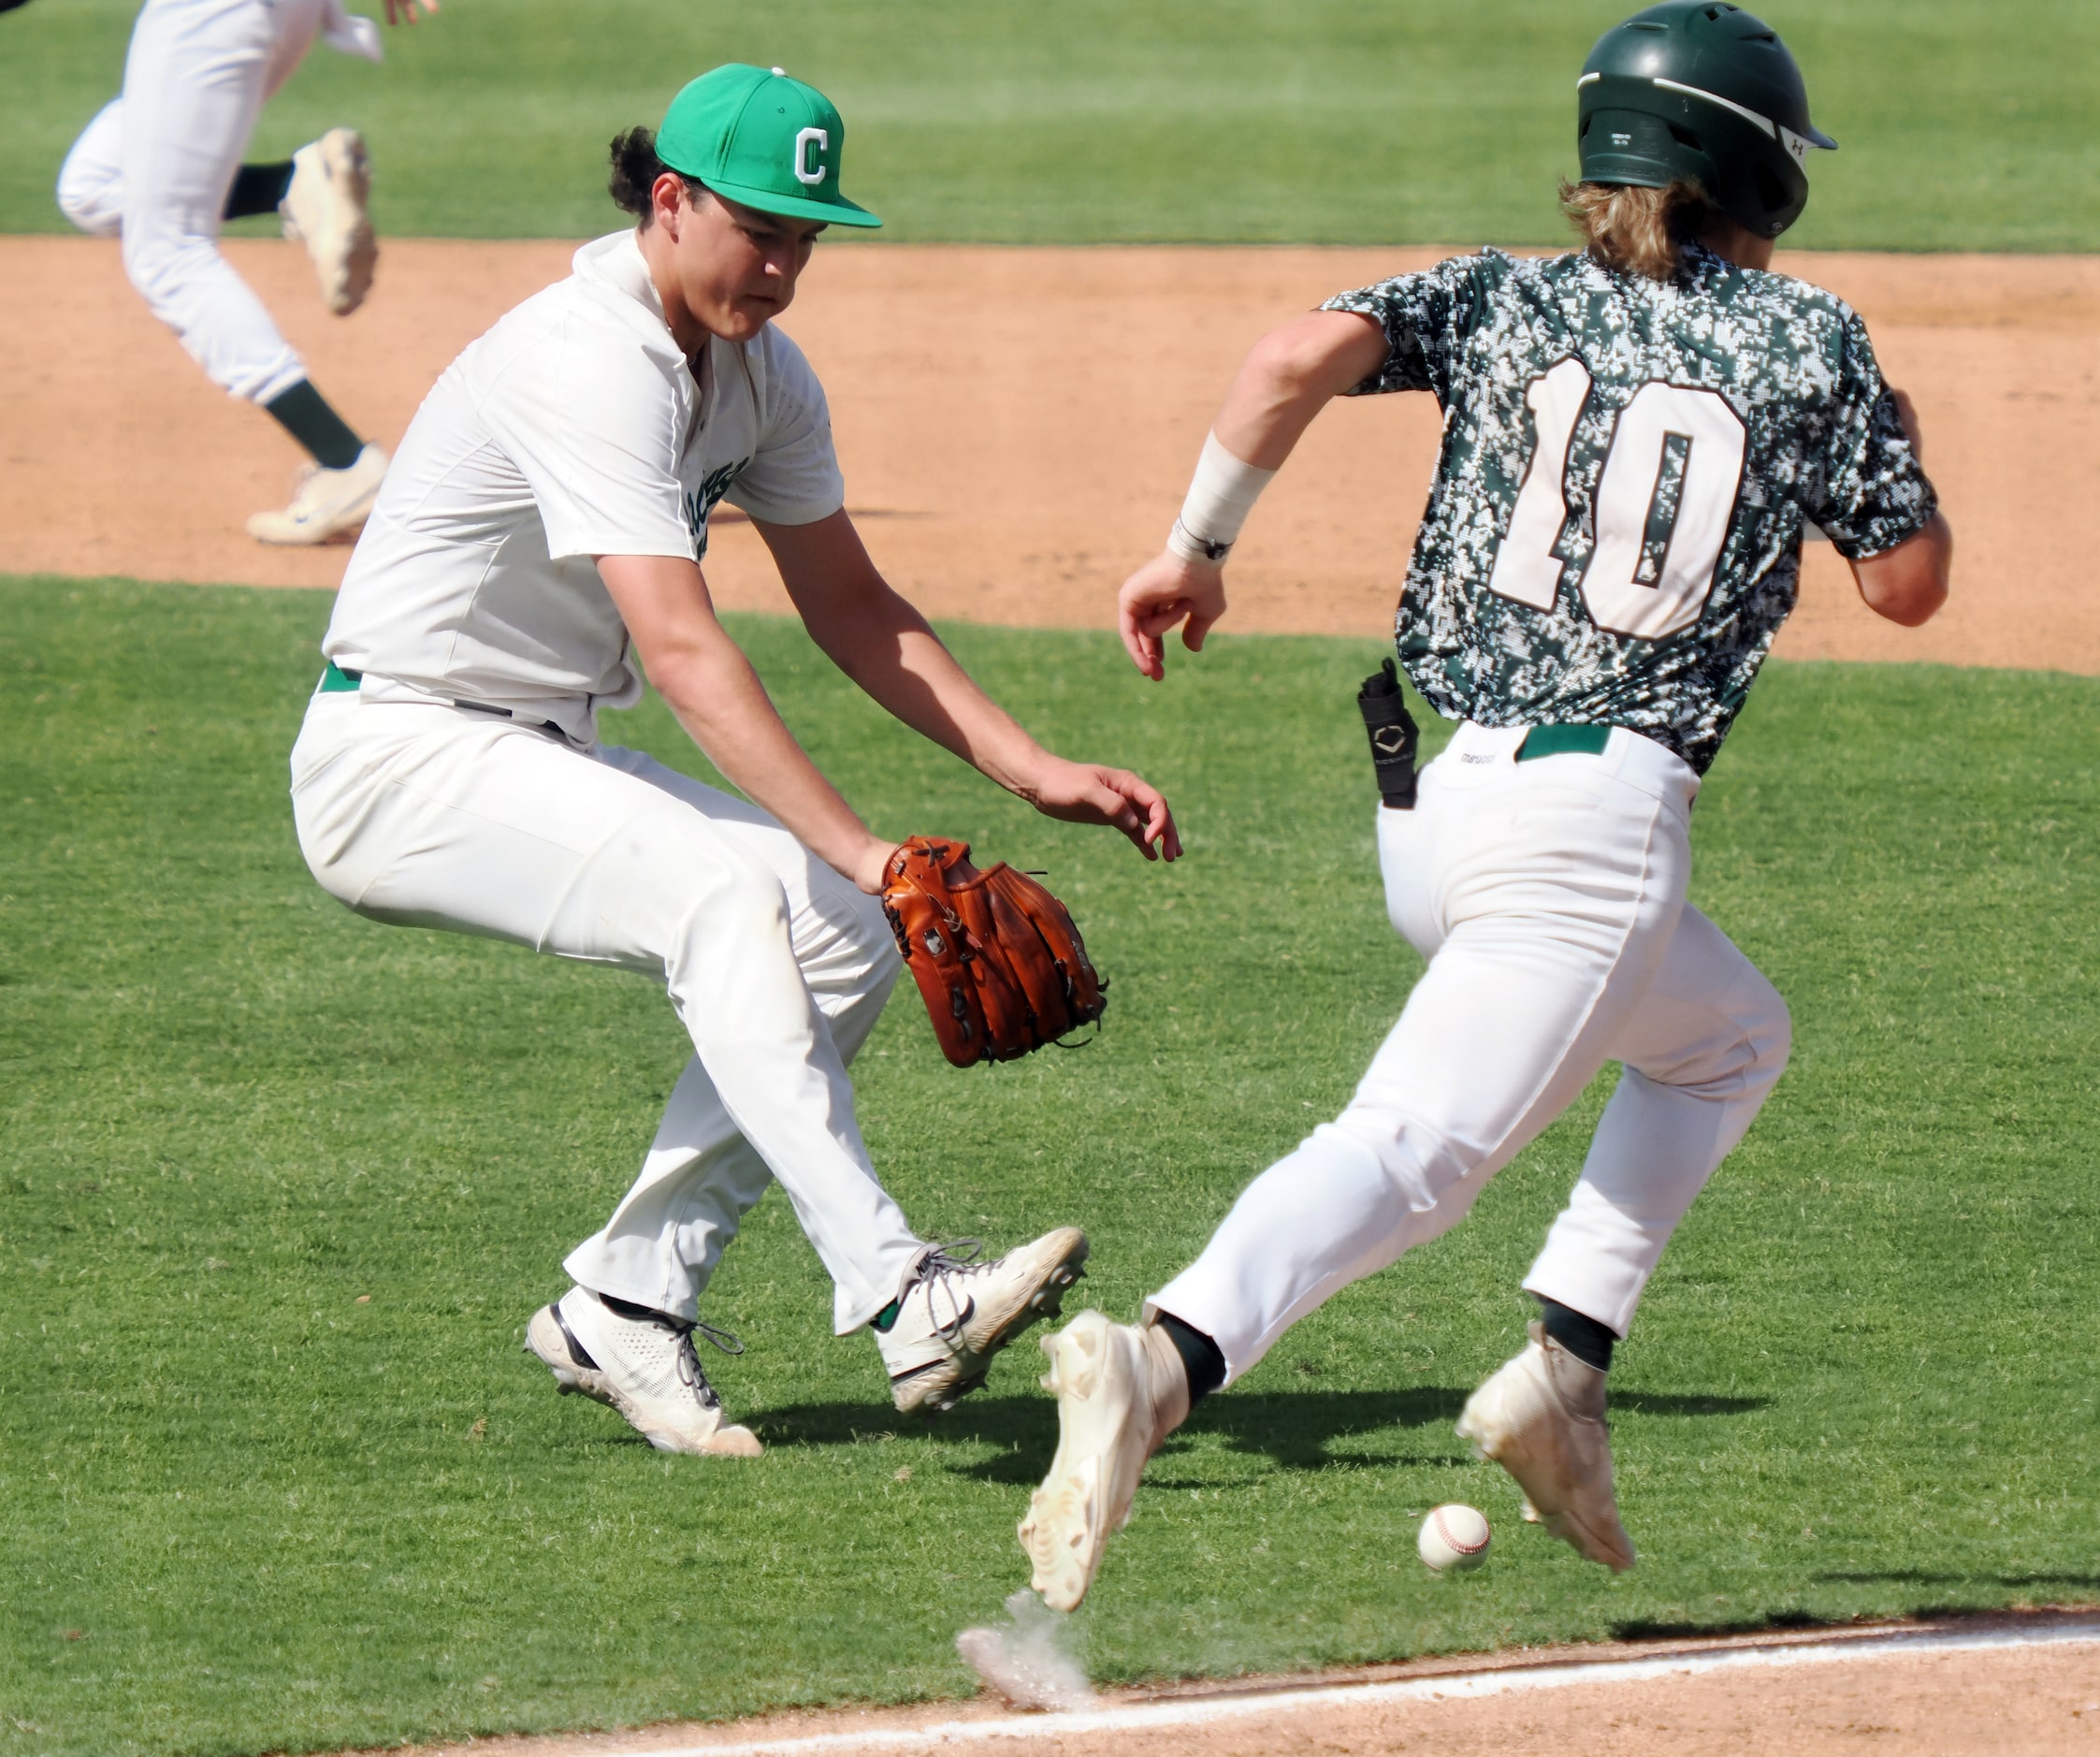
(1962, 126)
(278, 1189)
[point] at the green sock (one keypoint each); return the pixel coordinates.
(884, 1318)
(304, 413)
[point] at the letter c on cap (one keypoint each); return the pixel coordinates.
(809, 139)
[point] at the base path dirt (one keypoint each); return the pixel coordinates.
(1018, 425)
(2028, 1684)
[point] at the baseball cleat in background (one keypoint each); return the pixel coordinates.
(1541, 1416)
(1121, 1390)
(954, 1314)
(324, 210)
(645, 1368)
(326, 504)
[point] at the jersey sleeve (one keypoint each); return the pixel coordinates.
(793, 478)
(1872, 494)
(1426, 317)
(592, 429)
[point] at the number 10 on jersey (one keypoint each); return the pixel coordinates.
(1663, 500)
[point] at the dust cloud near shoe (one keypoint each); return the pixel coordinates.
(1025, 1659)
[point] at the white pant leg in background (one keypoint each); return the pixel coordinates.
(157, 165)
(91, 182)
(438, 816)
(1548, 897)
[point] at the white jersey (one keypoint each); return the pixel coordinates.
(574, 428)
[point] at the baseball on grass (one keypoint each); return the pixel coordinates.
(1454, 1538)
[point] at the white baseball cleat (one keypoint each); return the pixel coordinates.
(327, 504)
(954, 1314)
(1121, 1390)
(324, 208)
(644, 1367)
(1541, 1416)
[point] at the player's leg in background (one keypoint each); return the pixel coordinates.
(1702, 1052)
(195, 81)
(91, 182)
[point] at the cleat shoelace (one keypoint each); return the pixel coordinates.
(947, 1268)
(690, 1372)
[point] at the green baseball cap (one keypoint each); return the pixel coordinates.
(757, 136)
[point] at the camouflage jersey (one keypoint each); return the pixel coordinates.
(1614, 533)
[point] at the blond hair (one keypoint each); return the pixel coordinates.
(1637, 230)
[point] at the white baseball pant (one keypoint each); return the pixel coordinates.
(156, 164)
(434, 816)
(1548, 897)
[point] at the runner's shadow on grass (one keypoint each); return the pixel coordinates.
(1295, 1430)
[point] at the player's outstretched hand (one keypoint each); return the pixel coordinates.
(1087, 792)
(1164, 592)
(407, 12)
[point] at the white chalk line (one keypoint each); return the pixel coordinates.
(1199, 1711)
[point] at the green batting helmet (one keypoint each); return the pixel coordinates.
(1704, 92)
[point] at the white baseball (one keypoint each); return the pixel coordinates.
(1454, 1538)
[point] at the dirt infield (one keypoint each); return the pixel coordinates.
(2028, 1684)
(1017, 426)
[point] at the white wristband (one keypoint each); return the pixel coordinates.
(1223, 494)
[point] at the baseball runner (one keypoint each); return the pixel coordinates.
(1633, 437)
(161, 167)
(540, 532)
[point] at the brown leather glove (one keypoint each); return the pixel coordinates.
(997, 959)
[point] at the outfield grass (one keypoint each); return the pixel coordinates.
(1962, 126)
(278, 1189)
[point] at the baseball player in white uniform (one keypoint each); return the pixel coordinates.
(541, 530)
(161, 167)
(1635, 435)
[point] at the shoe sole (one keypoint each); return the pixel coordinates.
(344, 252)
(935, 1388)
(544, 1339)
